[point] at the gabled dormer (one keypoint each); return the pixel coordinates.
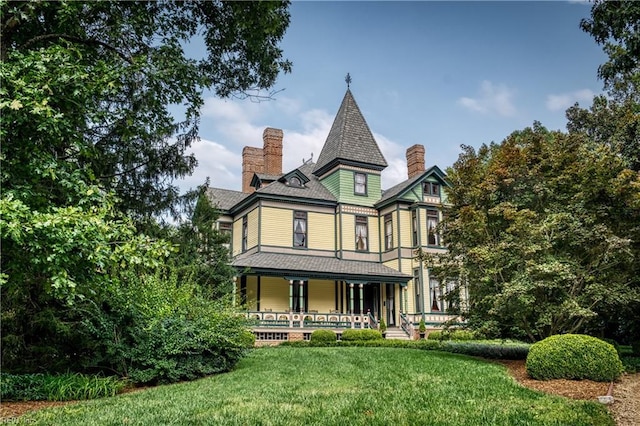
(295, 178)
(350, 162)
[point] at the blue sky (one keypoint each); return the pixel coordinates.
(439, 74)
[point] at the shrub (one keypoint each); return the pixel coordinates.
(631, 364)
(323, 336)
(435, 335)
(635, 347)
(58, 387)
(422, 327)
(487, 350)
(461, 335)
(365, 334)
(573, 356)
(612, 343)
(382, 326)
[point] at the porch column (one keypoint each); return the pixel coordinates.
(361, 298)
(406, 299)
(351, 298)
(290, 295)
(235, 285)
(301, 296)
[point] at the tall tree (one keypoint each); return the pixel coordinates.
(535, 232)
(616, 26)
(125, 134)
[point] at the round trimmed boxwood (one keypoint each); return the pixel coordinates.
(573, 356)
(322, 336)
(365, 334)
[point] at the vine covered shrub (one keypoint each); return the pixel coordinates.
(573, 356)
(366, 334)
(321, 336)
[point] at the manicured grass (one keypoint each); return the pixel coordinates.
(338, 386)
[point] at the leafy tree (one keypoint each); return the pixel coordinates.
(110, 73)
(541, 230)
(616, 26)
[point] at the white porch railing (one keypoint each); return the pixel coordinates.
(433, 318)
(309, 319)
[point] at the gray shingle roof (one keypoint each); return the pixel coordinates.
(225, 199)
(398, 189)
(312, 190)
(349, 140)
(304, 266)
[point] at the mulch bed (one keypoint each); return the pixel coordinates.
(625, 409)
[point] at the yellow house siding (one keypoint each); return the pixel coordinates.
(277, 227)
(274, 293)
(252, 223)
(374, 235)
(321, 231)
(321, 295)
(405, 228)
(348, 232)
(237, 237)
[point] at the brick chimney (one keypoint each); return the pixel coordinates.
(252, 162)
(272, 139)
(415, 160)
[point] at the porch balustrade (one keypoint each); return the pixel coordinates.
(433, 318)
(310, 319)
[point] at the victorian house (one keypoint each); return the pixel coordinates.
(324, 246)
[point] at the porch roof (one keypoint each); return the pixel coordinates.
(296, 266)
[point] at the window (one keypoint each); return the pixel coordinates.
(414, 227)
(432, 228)
(436, 295)
(295, 181)
(388, 232)
(361, 234)
(416, 290)
(245, 233)
(225, 229)
(360, 183)
(432, 189)
(299, 229)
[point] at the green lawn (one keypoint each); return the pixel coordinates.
(338, 386)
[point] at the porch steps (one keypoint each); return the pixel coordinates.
(396, 333)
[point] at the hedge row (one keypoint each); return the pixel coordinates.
(486, 349)
(57, 387)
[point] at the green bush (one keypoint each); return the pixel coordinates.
(573, 356)
(364, 334)
(612, 343)
(435, 335)
(461, 335)
(58, 387)
(635, 347)
(422, 327)
(487, 350)
(631, 364)
(323, 336)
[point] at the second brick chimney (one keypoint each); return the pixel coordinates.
(415, 160)
(272, 140)
(267, 160)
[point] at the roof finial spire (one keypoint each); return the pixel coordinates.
(348, 80)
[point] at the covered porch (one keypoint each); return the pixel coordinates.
(290, 293)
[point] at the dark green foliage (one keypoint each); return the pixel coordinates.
(323, 336)
(631, 364)
(573, 356)
(365, 334)
(62, 387)
(422, 327)
(487, 350)
(436, 335)
(635, 347)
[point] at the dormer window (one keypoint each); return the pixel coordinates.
(295, 181)
(360, 183)
(432, 189)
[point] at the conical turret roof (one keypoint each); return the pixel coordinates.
(350, 141)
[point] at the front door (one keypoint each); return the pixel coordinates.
(371, 299)
(390, 303)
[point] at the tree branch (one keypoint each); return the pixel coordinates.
(78, 40)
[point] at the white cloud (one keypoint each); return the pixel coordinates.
(565, 100)
(222, 166)
(492, 99)
(395, 154)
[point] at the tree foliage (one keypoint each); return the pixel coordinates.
(616, 26)
(541, 229)
(109, 75)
